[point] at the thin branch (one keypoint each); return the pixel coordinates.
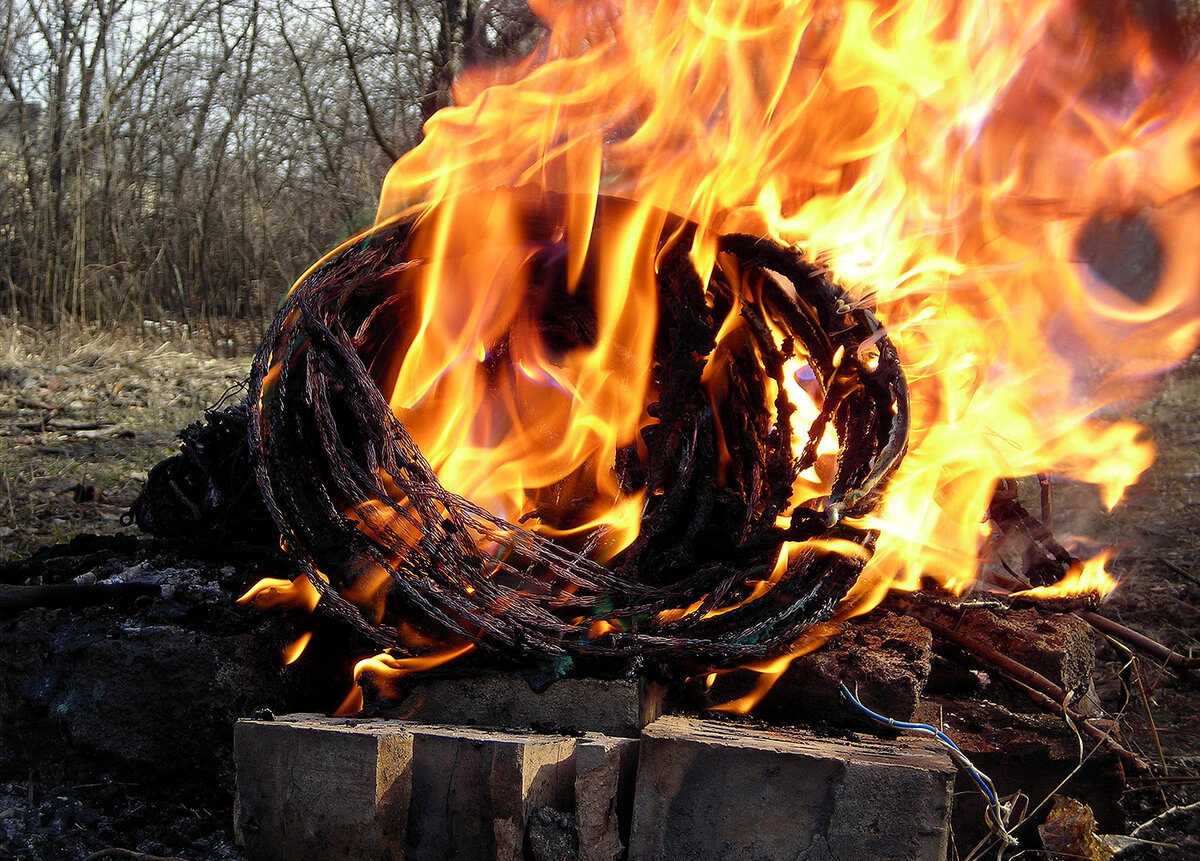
(1040, 689)
(1180, 663)
(71, 595)
(368, 108)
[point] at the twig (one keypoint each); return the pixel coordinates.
(35, 404)
(1047, 500)
(1180, 570)
(71, 595)
(1180, 663)
(1040, 689)
(1162, 760)
(1167, 817)
(1165, 780)
(1141, 642)
(74, 424)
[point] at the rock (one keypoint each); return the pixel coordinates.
(322, 790)
(715, 790)
(143, 692)
(552, 835)
(605, 771)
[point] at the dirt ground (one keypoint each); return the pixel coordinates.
(1155, 531)
(85, 415)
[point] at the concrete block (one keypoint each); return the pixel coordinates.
(714, 790)
(617, 707)
(605, 771)
(317, 788)
(474, 790)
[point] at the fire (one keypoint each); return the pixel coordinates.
(275, 592)
(385, 670)
(951, 161)
(973, 170)
(1084, 578)
(513, 418)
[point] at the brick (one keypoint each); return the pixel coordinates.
(884, 657)
(605, 770)
(617, 707)
(318, 788)
(715, 790)
(474, 790)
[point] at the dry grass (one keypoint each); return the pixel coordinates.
(84, 414)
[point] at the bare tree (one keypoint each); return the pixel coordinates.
(188, 158)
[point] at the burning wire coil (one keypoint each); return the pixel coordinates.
(328, 443)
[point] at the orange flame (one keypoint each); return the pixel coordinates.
(296, 648)
(954, 162)
(1013, 185)
(384, 672)
(1085, 578)
(770, 670)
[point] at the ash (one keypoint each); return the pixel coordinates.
(116, 718)
(60, 823)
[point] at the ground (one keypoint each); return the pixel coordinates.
(85, 415)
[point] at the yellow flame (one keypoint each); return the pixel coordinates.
(969, 169)
(274, 592)
(1085, 578)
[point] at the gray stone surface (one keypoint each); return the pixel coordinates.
(605, 771)
(719, 791)
(613, 707)
(474, 790)
(316, 789)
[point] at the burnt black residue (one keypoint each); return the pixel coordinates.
(115, 718)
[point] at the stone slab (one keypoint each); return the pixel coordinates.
(322, 789)
(710, 790)
(474, 790)
(617, 707)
